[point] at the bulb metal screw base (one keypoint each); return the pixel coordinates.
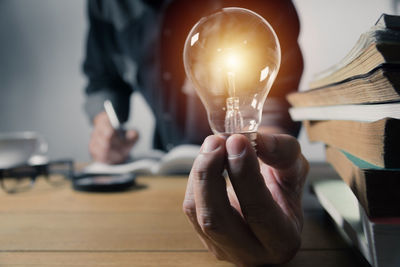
(251, 136)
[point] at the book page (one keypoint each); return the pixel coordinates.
(179, 160)
(142, 166)
(153, 154)
(342, 205)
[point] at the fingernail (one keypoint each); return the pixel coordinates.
(210, 144)
(235, 147)
(269, 141)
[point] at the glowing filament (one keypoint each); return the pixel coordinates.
(232, 62)
(231, 84)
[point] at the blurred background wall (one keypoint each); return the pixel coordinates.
(42, 48)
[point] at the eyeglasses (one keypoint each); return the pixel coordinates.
(22, 178)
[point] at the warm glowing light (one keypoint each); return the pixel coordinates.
(232, 58)
(232, 62)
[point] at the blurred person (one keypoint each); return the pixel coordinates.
(138, 45)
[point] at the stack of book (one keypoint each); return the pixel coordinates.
(354, 108)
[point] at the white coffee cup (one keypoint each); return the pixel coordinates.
(17, 148)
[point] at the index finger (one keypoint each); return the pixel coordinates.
(283, 153)
(262, 213)
(215, 216)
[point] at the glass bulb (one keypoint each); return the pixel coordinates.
(232, 58)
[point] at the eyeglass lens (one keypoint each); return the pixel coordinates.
(22, 178)
(18, 179)
(59, 172)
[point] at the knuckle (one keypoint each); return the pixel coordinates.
(206, 167)
(189, 209)
(206, 161)
(210, 223)
(211, 228)
(201, 173)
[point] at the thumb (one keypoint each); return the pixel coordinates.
(131, 136)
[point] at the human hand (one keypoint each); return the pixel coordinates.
(106, 145)
(257, 219)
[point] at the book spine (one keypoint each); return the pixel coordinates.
(391, 144)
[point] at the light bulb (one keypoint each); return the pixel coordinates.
(232, 58)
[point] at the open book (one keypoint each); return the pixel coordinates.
(177, 161)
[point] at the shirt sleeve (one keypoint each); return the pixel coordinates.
(104, 80)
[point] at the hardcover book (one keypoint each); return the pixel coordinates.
(380, 85)
(377, 189)
(378, 240)
(375, 142)
(376, 47)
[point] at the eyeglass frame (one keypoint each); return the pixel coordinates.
(37, 170)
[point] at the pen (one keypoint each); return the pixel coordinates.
(112, 116)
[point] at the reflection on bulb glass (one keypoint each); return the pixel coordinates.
(232, 58)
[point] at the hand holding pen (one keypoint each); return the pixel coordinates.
(113, 118)
(109, 142)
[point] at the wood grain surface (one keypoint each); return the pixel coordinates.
(145, 226)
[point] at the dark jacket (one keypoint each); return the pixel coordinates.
(138, 44)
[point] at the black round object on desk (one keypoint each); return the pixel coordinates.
(103, 182)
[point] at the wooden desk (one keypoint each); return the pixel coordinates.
(143, 227)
